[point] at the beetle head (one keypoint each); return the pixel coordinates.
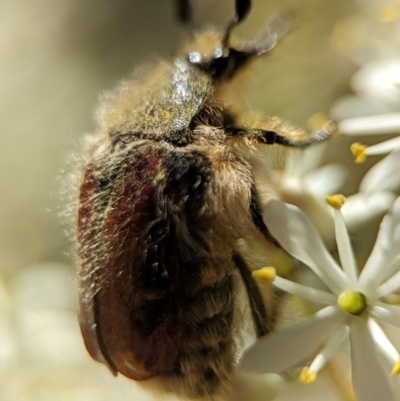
(212, 52)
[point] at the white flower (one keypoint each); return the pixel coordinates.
(374, 107)
(355, 304)
(383, 178)
(374, 110)
(304, 184)
(384, 175)
(377, 93)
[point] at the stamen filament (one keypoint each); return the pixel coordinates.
(389, 286)
(385, 345)
(386, 313)
(330, 347)
(303, 291)
(384, 147)
(345, 250)
(377, 124)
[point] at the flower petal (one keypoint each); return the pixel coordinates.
(318, 184)
(370, 381)
(246, 386)
(386, 250)
(295, 192)
(302, 161)
(386, 146)
(389, 286)
(376, 124)
(331, 346)
(280, 350)
(351, 106)
(392, 269)
(383, 343)
(345, 250)
(383, 176)
(294, 232)
(363, 207)
(385, 313)
(377, 79)
(304, 291)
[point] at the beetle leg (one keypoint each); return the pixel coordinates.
(184, 11)
(257, 307)
(281, 135)
(242, 8)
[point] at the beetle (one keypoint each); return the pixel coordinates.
(170, 185)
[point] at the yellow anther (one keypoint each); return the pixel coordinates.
(307, 377)
(358, 150)
(265, 274)
(335, 201)
(396, 369)
(167, 115)
(352, 302)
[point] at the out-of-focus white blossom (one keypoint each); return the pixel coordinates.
(356, 304)
(304, 183)
(373, 110)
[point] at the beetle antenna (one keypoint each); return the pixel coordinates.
(277, 27)
(184, 11)
(242, 8)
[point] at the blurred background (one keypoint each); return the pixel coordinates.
(56, 58)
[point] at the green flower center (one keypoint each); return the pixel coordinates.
(352, 302)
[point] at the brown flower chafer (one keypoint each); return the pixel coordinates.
(170, 185)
